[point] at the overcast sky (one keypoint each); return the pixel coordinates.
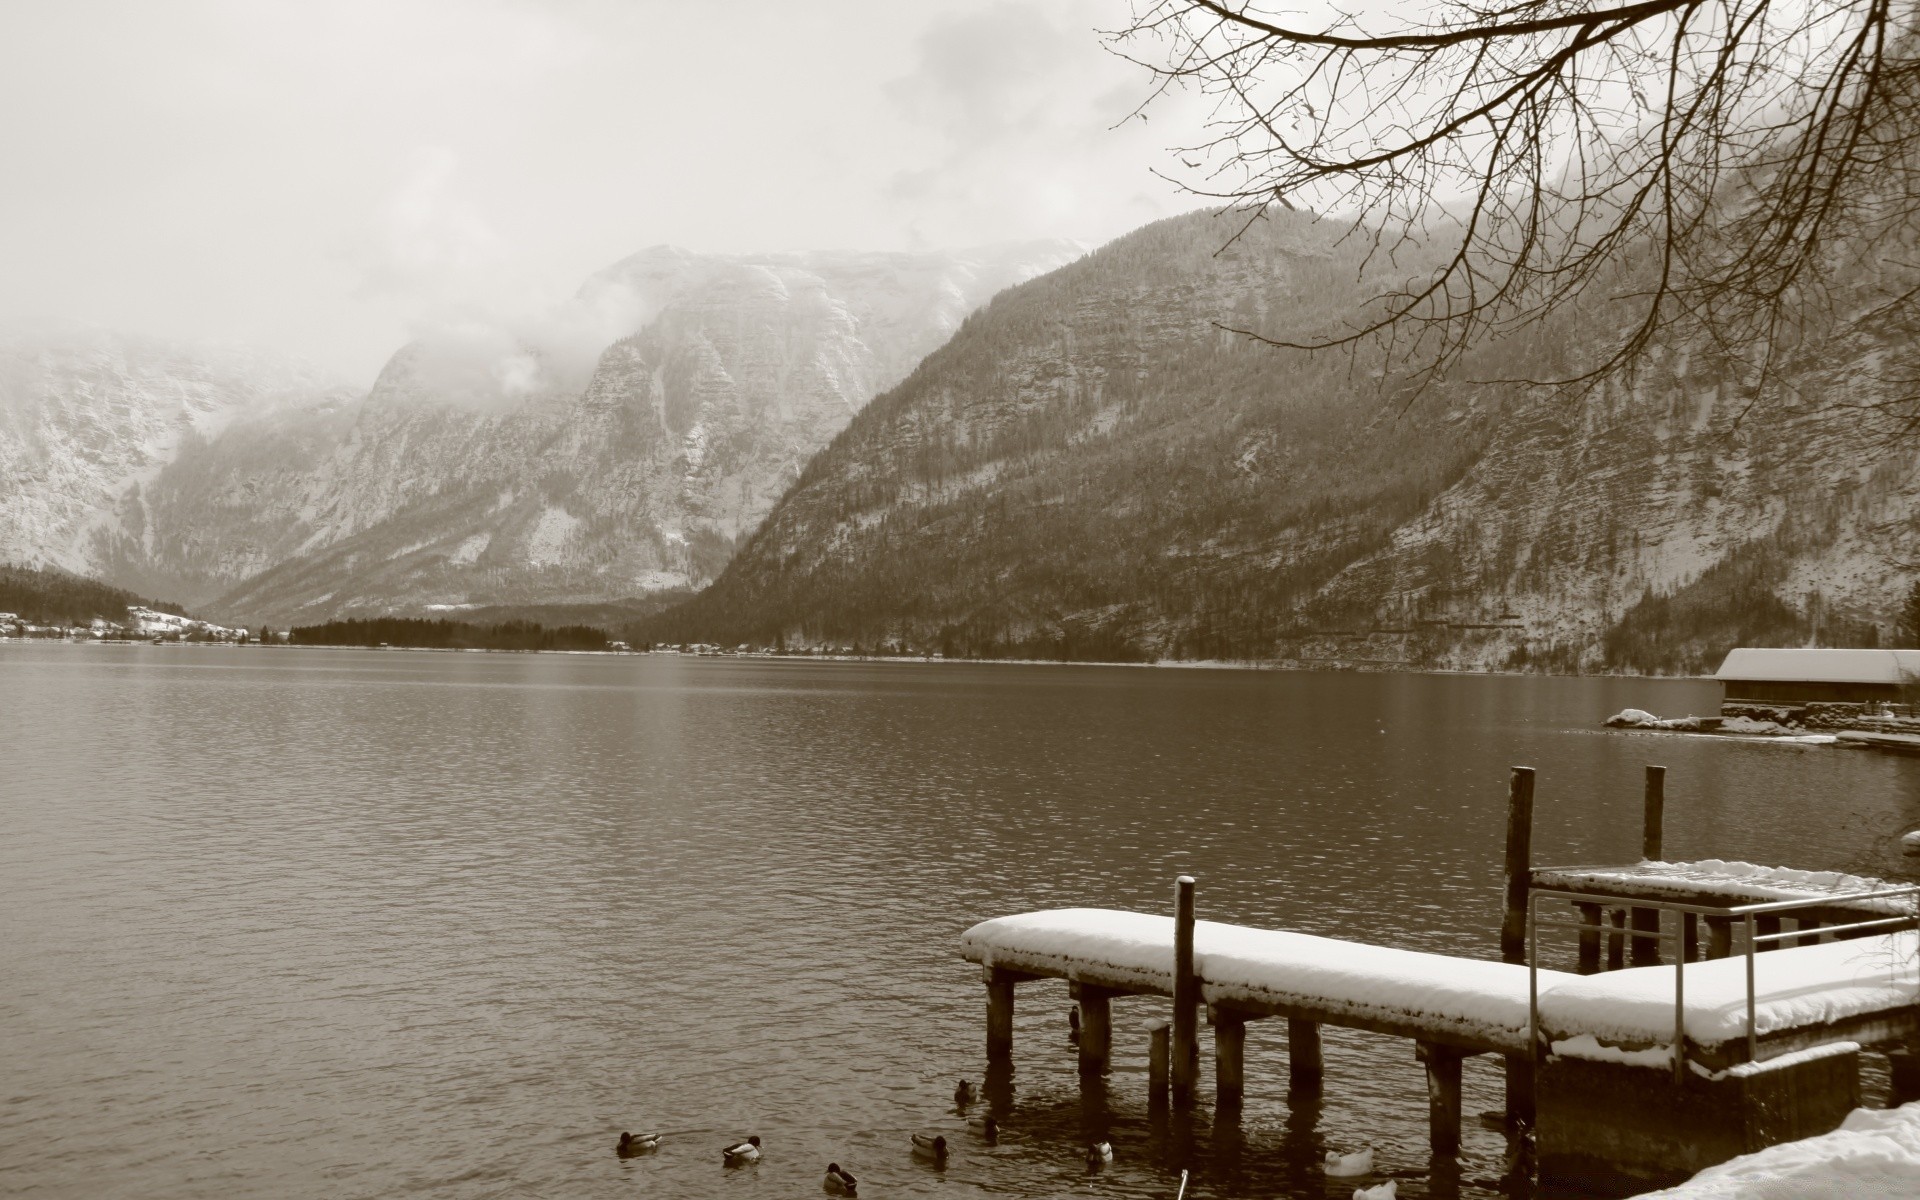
(321, 178)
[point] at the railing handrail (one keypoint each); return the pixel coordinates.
(1746, 913)
(1723, 910)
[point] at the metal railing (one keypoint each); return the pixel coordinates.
(1746, 914)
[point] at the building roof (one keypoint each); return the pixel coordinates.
(1749, 664)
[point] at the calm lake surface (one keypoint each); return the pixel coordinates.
(300, 923)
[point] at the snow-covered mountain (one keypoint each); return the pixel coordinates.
(484, 466)
(1091, 468)
(90, 419)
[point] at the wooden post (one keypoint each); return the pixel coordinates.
(1807, 924)
(1719, 937)
(1616, 947)
(1303, 1053)
(1157, 1056)
(1656, 803)
(1519, 866)
(1646, 950)
(1904, 1065)
(1229, 1055)
(1690, 937)
(1096, 1027)
(999, 1015)
(1186, 997)
(1443, 1095)
(1766, 923)
(1589, 937)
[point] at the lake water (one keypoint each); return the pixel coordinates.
(301, 923)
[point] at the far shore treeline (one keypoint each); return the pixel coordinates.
(448, 635)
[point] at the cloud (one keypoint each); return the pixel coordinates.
(1023, 123)
(484, 333)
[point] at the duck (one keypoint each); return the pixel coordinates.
(1343, 1166)
(1380, 1191)
(839, 1182)
(1099, 1154)
(931, 1146)
(637, 1143)
(963, 1093)
(741, 1153)
(986, 1127)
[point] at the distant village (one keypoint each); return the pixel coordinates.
(143, 624)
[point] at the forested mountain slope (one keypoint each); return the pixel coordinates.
(1093, 469)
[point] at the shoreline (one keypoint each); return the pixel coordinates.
(1182, 664)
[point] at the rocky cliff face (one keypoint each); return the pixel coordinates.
(478, 473)
(89, 420)
(1093, 469)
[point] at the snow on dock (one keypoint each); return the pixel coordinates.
(1815, 989)
(1470, 1003)
(1713, 880)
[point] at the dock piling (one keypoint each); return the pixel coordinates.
(999, 1016)
(1304, 1068)
(1719, 937)
(1646, 950)
(1513, 947)
(1589, 938)
(1186, 998)
(1616, 946)
(1158, 1054)
(1443, 1095)
(1654, 814)
(1766, 924)
(1229, 1055)
(1096, 1026)
(1519, 866)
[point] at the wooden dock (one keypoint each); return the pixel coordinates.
(1847, 973)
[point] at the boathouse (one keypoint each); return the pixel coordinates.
(1819, 675)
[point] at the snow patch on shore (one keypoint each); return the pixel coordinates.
(1874, 1155)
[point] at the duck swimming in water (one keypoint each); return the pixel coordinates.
(637, 1143)
(741, 1153)
(986, 1127)
(930, 1146)
(1099, 1155)
(838, 1182)
(963, 1093)
(1346, 1166)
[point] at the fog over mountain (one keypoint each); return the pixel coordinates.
(486, 465)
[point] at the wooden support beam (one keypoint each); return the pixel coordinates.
(1519, 1089)
(999, 1015)
(1616, 945)
(1904, 1065)
(1764, 923)
(1519, 865)
(1443, 1095)
(1689, 937)
(1807, 924)
(1096, 1026)
(1229, 1055)
(1653, 814)
(1304, 1067)
(1186, 998)
(1646, 950)
(1589, 937)
(1158, 1054)
(1719, 937)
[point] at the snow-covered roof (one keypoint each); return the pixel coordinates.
(1821, 666)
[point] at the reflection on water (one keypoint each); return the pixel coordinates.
(310, 923)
